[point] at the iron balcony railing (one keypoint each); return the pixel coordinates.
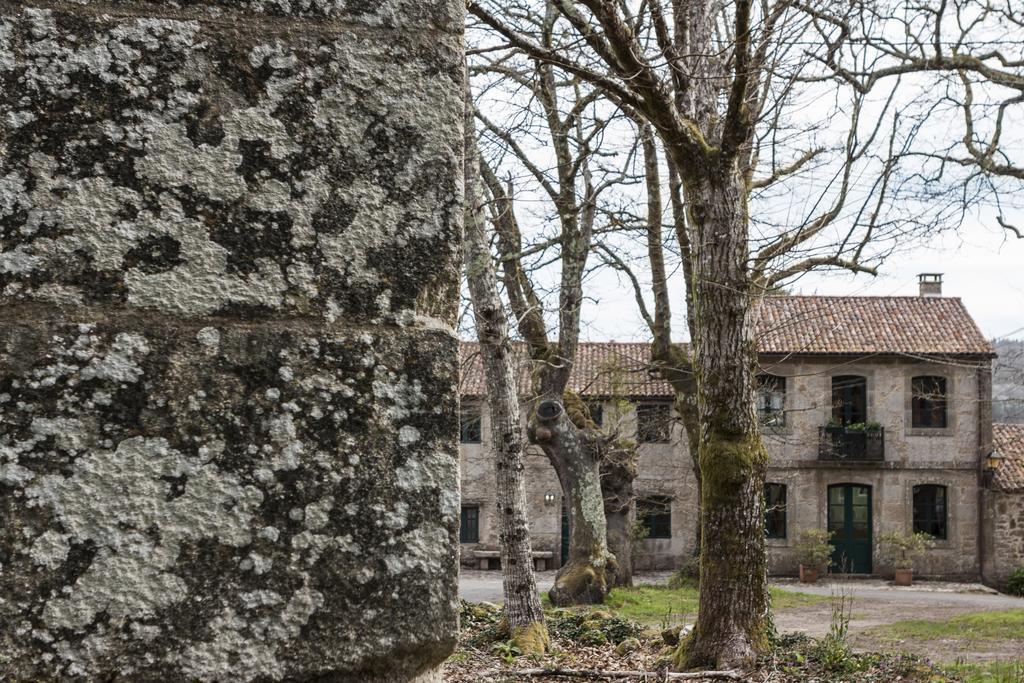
(851, 444)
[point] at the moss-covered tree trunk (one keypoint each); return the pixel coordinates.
(523, 611)
(576, 456)
(733, 620)
(618, 470)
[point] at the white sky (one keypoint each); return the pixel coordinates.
(980, 264)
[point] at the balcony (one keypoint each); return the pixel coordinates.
(851, 444)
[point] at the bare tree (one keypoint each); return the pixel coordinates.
(563, 115)
(969, 51)
(523, 611)
(725, 89)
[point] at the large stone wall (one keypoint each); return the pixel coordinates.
(228, 278)
(1003, 533)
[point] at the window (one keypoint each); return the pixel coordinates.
(655, 515)
(775, 510)
(849, 400)
(930, 510)
(653, 421)
(469, 527)
(596, 410)
(928, 402)
(771, 400)
(471, 424)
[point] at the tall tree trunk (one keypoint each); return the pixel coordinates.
(523, 611)
(618, 470)
(733, 620)
(576, 456)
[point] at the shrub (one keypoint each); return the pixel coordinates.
(902, 550)
(688, 574)
(813, 548)
(1015, 586)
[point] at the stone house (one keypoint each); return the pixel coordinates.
(1003, 511)
(877, 418)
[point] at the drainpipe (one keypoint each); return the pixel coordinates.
(985, 445)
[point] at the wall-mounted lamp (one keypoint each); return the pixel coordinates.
(549, 499)
(993, 460)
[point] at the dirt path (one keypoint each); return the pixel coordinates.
(876, 604)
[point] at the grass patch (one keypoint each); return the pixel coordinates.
(657, 605)
(1004, 625)
(989, 672)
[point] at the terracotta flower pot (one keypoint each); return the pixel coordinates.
(808, 574)
(904, 577)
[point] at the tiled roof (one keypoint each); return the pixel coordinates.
(869, 325)
(916, 326)
(602, 369)
(1009, 442)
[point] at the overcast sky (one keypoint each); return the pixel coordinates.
(980, 265)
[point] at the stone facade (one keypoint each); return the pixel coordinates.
(1003, 535)
(228, 280)
(1003, 528)
(951, 457)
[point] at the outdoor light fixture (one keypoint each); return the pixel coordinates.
(549, 499)
(993, 460)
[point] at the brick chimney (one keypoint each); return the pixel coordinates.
(930, 284)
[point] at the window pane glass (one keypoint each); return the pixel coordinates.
(771, 400)
(849, 399)
(470, 424)
(928, 403)
(930, 510)
(775, 510)
(655, 514)
(653, 421)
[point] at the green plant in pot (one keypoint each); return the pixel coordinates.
(902, 551)
(813, 550)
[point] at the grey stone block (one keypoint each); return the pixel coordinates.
(199, 168)
(210, 502)
(444, 15)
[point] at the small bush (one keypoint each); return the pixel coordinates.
(813, 548)
(687, 576)
(589, 627)
(1015, 586)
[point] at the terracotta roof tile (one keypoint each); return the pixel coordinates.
(602, 369)
(1009, 442)
(867, 325)
(917, 326)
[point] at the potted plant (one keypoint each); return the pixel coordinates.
(834, 426)
(902, 550)
(812, 551)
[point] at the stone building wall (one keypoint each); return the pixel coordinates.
(947, 457)
(1003, 535)
(228, 279)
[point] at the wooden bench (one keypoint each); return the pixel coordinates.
(540, 558)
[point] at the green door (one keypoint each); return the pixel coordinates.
(849, 520)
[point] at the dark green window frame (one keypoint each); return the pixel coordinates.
(469, 524)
